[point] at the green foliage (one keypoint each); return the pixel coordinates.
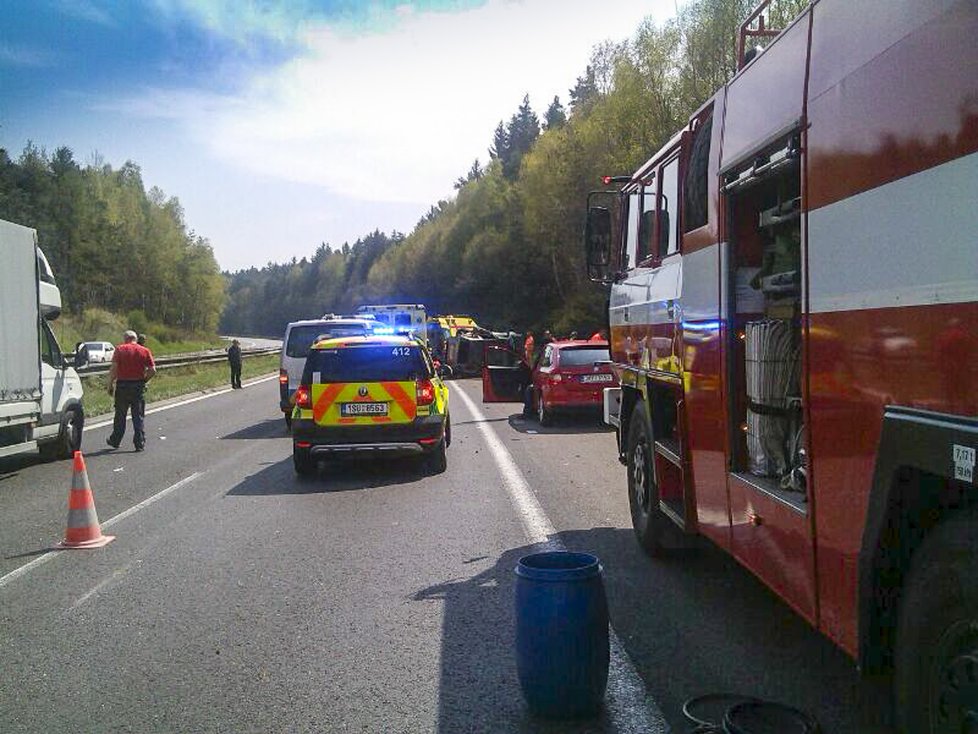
(138, 321)
(508, 249)
(112, 244)
(97, 324)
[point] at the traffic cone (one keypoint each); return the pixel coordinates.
(83, 528)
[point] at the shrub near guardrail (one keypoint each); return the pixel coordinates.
(176, 381)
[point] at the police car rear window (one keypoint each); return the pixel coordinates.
(387, 363)
(302, 337)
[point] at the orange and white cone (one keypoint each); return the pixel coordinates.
(83, 529)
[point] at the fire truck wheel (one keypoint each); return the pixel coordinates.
(936, 681)
(643, 495)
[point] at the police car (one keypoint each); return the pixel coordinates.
(370, 396)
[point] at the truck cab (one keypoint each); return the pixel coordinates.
(40, 392)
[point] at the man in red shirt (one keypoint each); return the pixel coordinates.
(132, 367)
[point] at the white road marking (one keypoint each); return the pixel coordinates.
(18, 572)
(629, 706)
(102, 424)
(98, 587)
(150, 500)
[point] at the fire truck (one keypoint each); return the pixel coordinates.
(793, 284)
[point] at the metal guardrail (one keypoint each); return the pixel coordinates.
(181, 360)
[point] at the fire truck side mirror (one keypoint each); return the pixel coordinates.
(597, 242)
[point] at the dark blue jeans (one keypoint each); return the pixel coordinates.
(129, 398)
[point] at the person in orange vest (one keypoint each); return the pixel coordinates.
(528, 345)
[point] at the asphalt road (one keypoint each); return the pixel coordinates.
(239, 598)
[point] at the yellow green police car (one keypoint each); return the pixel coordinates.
(370, 397)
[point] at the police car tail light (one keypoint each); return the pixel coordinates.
(283, 377)
(302, 397)
(426, 392)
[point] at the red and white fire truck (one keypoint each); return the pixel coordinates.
(794, 315)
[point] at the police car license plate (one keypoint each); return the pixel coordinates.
(363, 409)
(597, 378)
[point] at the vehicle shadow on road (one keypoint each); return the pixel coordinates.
(562, 424)
(333, 476)
(266, 429)
(10, 466)
(691, 623)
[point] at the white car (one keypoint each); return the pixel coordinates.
(98, 351)
(299, 336)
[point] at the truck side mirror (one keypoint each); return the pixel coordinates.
(597, 242)
(80, 359)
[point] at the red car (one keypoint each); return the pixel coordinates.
(567, 376)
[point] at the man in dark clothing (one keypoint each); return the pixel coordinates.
(132, 367)
(234, 359)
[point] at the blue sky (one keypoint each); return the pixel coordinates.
(281, 125)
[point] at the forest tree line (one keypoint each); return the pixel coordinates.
(112, 244)
(508, 248)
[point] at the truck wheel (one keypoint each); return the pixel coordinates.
(303, 462)
(69, 437)
(643, 494)
(936, 680)
(544, 414)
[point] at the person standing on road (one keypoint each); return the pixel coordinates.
(234, 359)
(132, 367)
(528, 347)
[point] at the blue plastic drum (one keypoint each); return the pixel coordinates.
(562, 649)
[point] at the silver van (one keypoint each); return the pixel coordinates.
(299, 336)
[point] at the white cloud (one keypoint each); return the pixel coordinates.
(394, 116)
(400, 115)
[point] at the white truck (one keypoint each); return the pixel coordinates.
(40, 392)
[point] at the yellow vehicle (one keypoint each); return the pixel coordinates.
(370, 396)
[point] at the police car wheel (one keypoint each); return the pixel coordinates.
(303, 462)
(437, 461)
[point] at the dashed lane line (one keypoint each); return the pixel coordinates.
(630, 707)
(40, 560)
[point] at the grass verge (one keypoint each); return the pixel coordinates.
(171, 383)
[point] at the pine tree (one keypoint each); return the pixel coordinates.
(585, 91)
(555, 117)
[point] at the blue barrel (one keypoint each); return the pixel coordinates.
(561, 633)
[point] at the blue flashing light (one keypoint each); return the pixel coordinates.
(383, 330)
(702, 326)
